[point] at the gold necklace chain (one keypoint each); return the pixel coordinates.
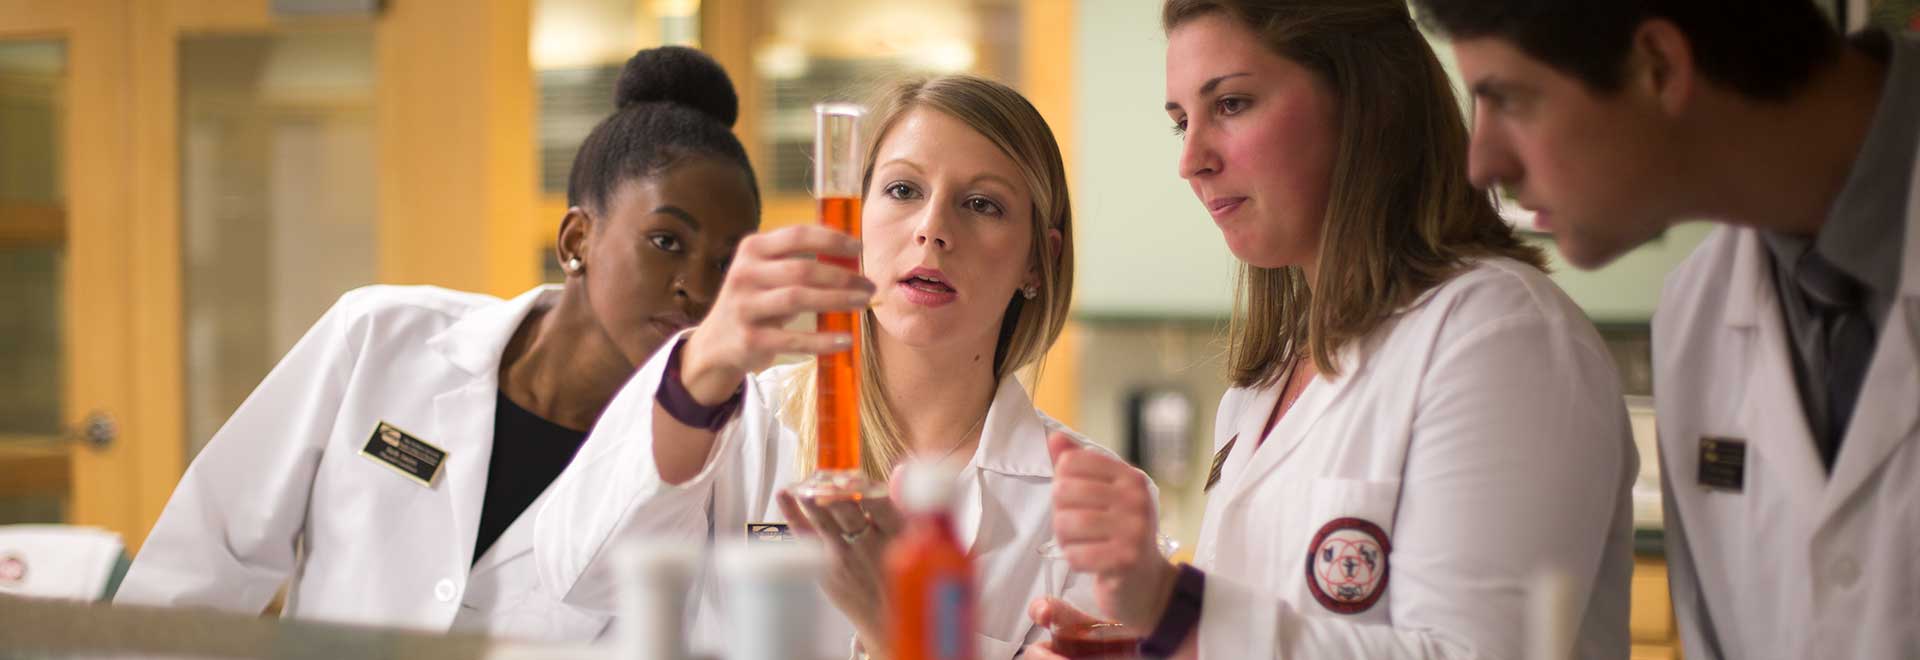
(957, 444)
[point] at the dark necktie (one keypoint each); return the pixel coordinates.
(1838, 306)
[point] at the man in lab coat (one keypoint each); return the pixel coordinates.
(1785, 346)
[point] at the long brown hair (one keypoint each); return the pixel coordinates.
(1029, 327)
(1401, 216)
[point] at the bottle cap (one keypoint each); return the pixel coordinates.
(926, 487)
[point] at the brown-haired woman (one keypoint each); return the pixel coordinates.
(1421, 422)
(968, 232)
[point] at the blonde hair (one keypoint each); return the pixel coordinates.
(1401, 215)
(1029, 327)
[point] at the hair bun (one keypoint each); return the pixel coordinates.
(678, 75)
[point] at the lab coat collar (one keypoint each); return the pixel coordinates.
(1013, 440)
(475, 343)
(1751, 288)
(1013, 443)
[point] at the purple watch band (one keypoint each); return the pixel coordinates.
(1181, 616)
(680, 404)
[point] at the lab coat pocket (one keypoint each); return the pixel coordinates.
(1345, 549)
(508, 602)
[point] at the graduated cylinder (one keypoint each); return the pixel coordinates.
(836, 184)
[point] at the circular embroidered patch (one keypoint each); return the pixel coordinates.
(13, 569)
(1347, 565)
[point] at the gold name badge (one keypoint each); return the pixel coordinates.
(1219, 461)
(1723, 463)
(407, 454)
(768, 532)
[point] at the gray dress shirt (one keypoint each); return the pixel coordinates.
(1836, 287)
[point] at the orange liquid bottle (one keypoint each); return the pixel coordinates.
(838, 379)
(929, 578)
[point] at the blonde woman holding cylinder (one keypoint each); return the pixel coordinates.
(968, 260)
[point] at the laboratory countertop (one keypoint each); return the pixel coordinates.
(33, 628)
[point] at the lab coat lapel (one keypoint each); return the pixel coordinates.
(1297, 425)
(514, 541)
(1013, 444)
(1001, 512)
(970, 507)
(463, 414)
(464, 417)
(1770, 419)
(1889, 404)
(1235, 474)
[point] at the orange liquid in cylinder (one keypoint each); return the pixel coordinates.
(838, 380)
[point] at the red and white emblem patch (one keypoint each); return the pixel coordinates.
(1347, 565)
(13, 569)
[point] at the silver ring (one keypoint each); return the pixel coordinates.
(855, 536)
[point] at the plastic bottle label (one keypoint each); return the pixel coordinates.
(952, 621)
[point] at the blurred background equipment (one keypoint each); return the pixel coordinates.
(1160, 434)
(63, 562)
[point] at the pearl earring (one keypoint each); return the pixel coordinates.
(573, 265)
(1030, 291)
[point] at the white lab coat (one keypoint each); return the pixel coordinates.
(282, 491)
(1798, 564)
(614, 492)
(1482, 431)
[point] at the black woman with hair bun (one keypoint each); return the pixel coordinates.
(389, 469)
